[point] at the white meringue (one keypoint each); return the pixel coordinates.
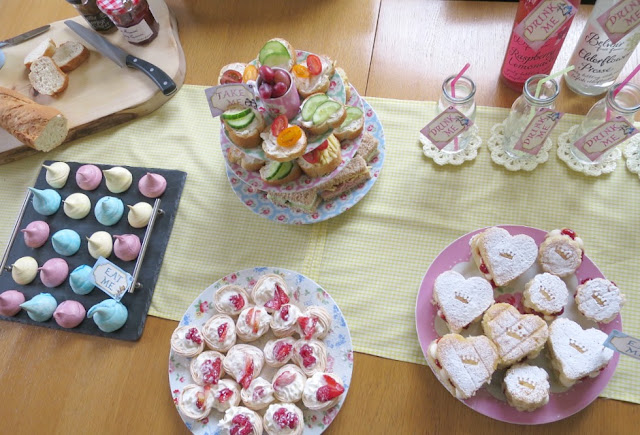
(100, 244)
(139, 214)
(57, 174)
(118, 179)
(77, 205)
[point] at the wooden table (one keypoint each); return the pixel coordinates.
(57, 382)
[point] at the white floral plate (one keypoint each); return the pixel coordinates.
(305, 293)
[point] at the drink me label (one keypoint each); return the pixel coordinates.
(604, 137)
(446, 126)
(538, 130)
(620, 19)
(544, 21)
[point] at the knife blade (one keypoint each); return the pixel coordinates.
(23, 37)
(122, 58)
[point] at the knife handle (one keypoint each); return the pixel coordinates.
(159, 77)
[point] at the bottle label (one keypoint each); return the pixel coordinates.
(605, 137)
(99, 22)
(137, 33)
(445, 127)
(538, 130)
(544, 21)
(620, 19)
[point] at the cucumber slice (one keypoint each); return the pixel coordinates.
(284, 170)
(235, 113)
(353, 113)
(270, 170)
(239, 123)
(311, 105)
(279, 60)
(325, 110)
(272, 47)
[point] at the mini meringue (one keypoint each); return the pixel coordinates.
(118, 179)
(127, 246)
(46, 202)
(57, 174)
(152, 185)
(110, 315)
(54, 272)
(40, 308)
(139, 214)
(88, 177)
(77, 205)
(36, 234)
(66, 242)
(100, 244)
(80, 280)
(109, 210)
(24, 270)
(10, 301)
(69, 314)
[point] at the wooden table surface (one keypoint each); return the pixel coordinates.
(57, 382)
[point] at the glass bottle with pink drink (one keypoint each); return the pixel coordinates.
(538, 32)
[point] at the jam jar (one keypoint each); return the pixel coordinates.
(94, 16)
(133, 18)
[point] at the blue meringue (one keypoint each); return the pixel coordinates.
(66, 242)
(40, 307)
(109, 210)
(109, 315)
(80, 280)
(46, 202)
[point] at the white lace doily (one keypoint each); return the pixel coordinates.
(458, 158)
(632, 155)
(606, 166)
(500, 156)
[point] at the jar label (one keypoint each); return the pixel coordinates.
(620, 19)
(446, 126)
(544, 21)
(538, 130)
(605, 137)
(223, 96)
(137, 33)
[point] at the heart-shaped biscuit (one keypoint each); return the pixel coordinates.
(576, 352)
(516, 336)
(463, 365)
(461, 301)
(501, 256)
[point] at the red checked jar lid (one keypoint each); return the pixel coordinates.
(133, 18)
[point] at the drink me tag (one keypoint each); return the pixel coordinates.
(544, 21)
(446, 126)
(623, 343)
(110, 278)
(620, 19)
(538, 130)
(221, 97)
(604, 137)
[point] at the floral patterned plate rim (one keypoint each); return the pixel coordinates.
(305, 292)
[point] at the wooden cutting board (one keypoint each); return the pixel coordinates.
(100, 93)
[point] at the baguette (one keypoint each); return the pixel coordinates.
(70, 55)
(40, 127)
(46, 77)
(320, 83)
(46, 48)
(249, 136)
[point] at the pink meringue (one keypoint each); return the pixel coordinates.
(69, 314)
(88, 177)
(152, 185)
(36, 234)
(54, 272)
(10, 302)
(127, 247)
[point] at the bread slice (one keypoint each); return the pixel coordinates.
(328, 159)
(282, 154)
(236, 66)
(46, 48)
(368, 148)
(247, 162)
(40, 127)
(46, 77)
(294, 174)
(347, 86)
(249, 136)
(316, 84)
(306, 201)
(70, 55)
(292, 54)
(350, 131)
(352, 175)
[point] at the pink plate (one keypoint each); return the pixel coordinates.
(561, 405)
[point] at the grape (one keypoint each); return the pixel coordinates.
(280, 76)
(267, 74)
(265, 91)
(279, 89)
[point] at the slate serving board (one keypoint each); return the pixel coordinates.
(137, 303)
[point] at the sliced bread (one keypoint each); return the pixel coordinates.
(46, 48)
(70, 55)
(46, 77)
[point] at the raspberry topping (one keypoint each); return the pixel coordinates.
(241, 425)
(211, 371)
(282, 350)
(308, 326)
(584, 281)
(285, 418)
(330, 391)
(306, 352)
(193, 335)
(284, 313)
(438, 364)
(200, 398)
(569, 232)
(284, 379)
(247, 374)
(222, 331)
(238, 301)
(483, 268)
(224, 395)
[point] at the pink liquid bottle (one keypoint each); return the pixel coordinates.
(538, 32)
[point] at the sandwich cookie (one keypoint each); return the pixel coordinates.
(284, 322)
(57, 174)
(599, 299)
(278, 352)
(88, 177)
(241, 420)
(152, 185)
(46, 202)
(283, 418)
(576, 353)
(561, 252)
(271, 292)
(244, 363)
(81, 280)
(545, 295)
(54, 272)
(36, 234)
(139, 214)
(230, 299)
(310, 356)
(69, 314)
(288, 383)
(463, 365)
(502, 257)
(24, 270)
(77, 206)
(219, 333)
(187, 341)
(40, 308)
(10, 301)
(461, 301)
(206, 368)
(66, 242)
(258, 395)
(526, 387)
(322, 391)
(196, 401)
(109, 315)
(252, 323)
(127, 246)
(109, 210)
(118, 179)
(225, 394)
(516, 336)
(314, 322)
(100, 244)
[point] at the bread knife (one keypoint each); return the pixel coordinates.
(122, 58)
(23, 37)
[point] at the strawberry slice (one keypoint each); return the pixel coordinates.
(330, 391)
(252, 320)
(279, 299)
(283, 380)
(224, 395)
(308, 325)
(211, 371)
(240, 425)
(238, 301)
(308, 359)
(284, 312)
(247, 374)
(282, 350)
(222, 331)
(258, 394)
(285, 418)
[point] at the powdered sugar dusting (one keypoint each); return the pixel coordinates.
(526, 386)
(546, 294)
(560, 254)
(599, 299)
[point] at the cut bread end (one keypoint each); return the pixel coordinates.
(46, 77)
(53, 134)
(70, 55)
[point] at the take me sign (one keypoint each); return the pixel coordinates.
(222, 97)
